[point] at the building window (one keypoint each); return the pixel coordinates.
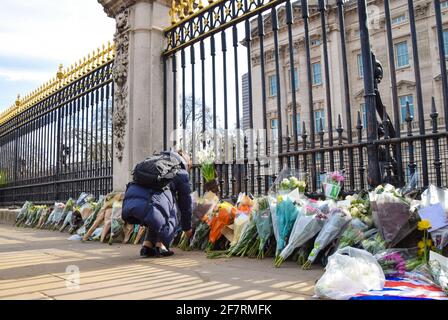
(360, 66)
(296, 79)
(299, 130)
(445, 40)
(317, 73)
(316, 42)
(274, 126)
(444, 5)
(364, 115)
(403, 100)
(399, 19)
(272, 86)
(402, 54)
(319, 114)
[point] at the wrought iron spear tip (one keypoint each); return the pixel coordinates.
(433, 106)
(409, 117)
(339, 121)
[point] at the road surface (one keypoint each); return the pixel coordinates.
(40, 264)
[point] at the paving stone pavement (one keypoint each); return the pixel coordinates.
(39, 264)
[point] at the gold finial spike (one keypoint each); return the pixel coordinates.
(18, 100)
(60, 73)
(200, 5)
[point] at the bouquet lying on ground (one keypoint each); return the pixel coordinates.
(116, 222)
(337, 221)
(391, 214)
(245, 242)
(305, 228)
(263, 222)
(220, 219)
(202, 206)
(23, 213)
(396, 262)
(360, 208)
(199, 240)
(374, 244)
(55, 215)
(356, 232)
(284, 218)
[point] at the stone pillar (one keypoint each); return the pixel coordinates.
(138, 77)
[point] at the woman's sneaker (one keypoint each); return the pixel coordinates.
(164, 252)
(146, 252)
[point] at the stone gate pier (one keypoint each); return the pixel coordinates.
(138, 77)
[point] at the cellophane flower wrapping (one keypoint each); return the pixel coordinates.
(305, 228)
(374, 244)
(57, 213)
(349, 271)
(287, 180)
(84, 198)
(88, 222)
(200, 236)
(434, 195)
(23, 213)
(238, 226)
(396, 262)
(337, 222)
(286, 215)
(440, 237)
(117, 223)
(263, 222)
(248, 235)
(332, 184)
(354, 234)
(225, 216)
(391, 214)
(244, 204)
(202, 206)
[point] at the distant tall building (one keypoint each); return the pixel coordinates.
(246, 109)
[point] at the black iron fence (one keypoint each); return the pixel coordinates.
(61, 145)
(328, 50)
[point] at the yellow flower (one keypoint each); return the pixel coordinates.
(433, 248)
(424, 225)
(279, 199)
(420, 252)
(421, 245)
(429, 242)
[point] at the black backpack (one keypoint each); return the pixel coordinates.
(157, 171)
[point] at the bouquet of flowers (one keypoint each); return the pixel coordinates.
(332, 184)
(23, 213)
(285, 217)
(200, 237)
(337, 222)
(248, 236)
(244, 204)
(287, 180)
(223, 217)
(43, 217)
(263, 222)
(83, 199)
(206, 160)
(305, 228)
(116, 222)
(374, 244)
(55, 215)
(90, 220)
(60, 219)
(32, 214)
(360, 208)
(391, 214)
(354, 234)
(396, 262)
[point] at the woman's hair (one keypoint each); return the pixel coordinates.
(185, 156)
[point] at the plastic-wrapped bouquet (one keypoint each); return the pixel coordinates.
(391, 214)
(287, 180)
(23, 213)
(223, 217)
(396, 262)
(284, 218)
(337, 222)
(263, 222)
(305, 228)
(332, 184)
(360, 208)
(117, 223)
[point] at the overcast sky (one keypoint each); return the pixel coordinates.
(36, 36)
